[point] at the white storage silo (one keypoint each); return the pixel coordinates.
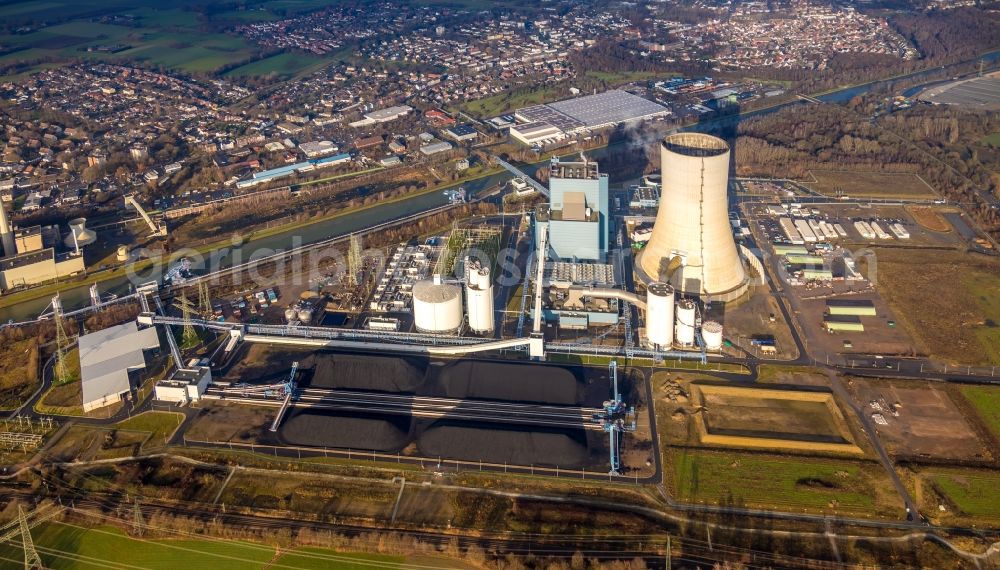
(685, 322)
(660, 314)
(479, 298)
(437, 306)
(711, 333)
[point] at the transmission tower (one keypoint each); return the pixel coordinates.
(204, 301)
(62, 342)
(137, 522)
(188, 337)
(354, 260)
(31, 558)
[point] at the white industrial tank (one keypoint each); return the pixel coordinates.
(685, 322)
(291, 314)
(711, 333)
(437, 306)
(660, 314)
(122, 253)
(79, 235)
(479, 298)
(692, 245)
(305, 313)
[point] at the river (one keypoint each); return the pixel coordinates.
(76, 296)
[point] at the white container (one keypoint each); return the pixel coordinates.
(660, 314)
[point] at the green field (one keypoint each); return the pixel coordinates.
(159, 425)
(620, 77)
(510, 100)
(180, 39)
(69, 547)
(986, 400)
(784, 483)
(284, 66)
(973, 492)
(992, 140)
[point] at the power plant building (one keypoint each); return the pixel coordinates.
(692, 246)
(577, 212)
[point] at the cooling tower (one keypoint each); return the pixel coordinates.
(692, 245)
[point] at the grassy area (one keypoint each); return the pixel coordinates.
(510, 100)
(320, 559)
(283, 66)
(986, 400)
(159, 425)
(780, 482)
(992, 140)
(869, 184)
(948, 301)
(972, 492)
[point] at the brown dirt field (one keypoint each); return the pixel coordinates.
(223, 421)
(947, 301)
(787, 419)
(930, 424)
(870, 184)
(929, 218)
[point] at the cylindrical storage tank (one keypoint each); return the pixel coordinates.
(479, 300)
(437, 307)
(685, 322)
(711, 333)
(692, 245)
(122, 253)
(84, 236)
(291, 314)
(660, 314)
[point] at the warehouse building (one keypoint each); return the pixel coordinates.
(856, 307)
(536, 133)
(843, 323)
(107, 357)
(461, 133)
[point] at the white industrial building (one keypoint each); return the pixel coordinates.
(185, 385)
(106, 359)
(316, 149)
(535, 133)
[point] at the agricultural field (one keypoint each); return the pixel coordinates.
(282, 66)
(986, 400)
(869, 184)
(180, 39)
(69, 546)
(948, 301)
(782, 482)
(962, 492)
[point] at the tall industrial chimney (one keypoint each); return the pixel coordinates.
(6, 233)
(692, 246)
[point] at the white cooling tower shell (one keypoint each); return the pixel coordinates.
(84, 236)
(692, 245)
(711, 333)
(479, 300)
(437, 307)
(685, 322)
(660, 314)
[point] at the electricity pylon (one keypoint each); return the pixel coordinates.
(62, 342)
(354, 260)
(137, 521)
(31, 558)
(188, 337)
(204, 301)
